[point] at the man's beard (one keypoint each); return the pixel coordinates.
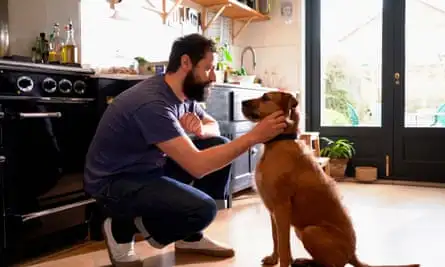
(195, 90)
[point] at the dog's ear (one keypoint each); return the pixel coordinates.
(289, 104)
(289, 101)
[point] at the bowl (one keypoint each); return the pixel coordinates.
(245, 79)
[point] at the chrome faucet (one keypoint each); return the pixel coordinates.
(253, 56)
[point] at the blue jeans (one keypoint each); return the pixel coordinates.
(171, 209)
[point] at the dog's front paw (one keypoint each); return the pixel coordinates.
(270, 260)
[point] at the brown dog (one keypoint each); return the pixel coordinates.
(298, 193)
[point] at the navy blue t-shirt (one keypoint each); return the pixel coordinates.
(137, 119)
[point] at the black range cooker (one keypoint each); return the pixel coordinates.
(48, 116)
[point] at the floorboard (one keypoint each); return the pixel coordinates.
(395, 225)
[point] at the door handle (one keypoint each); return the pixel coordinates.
(397, 78)
(40, 115)
(47, 212)
(30, 115)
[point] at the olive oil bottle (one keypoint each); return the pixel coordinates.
(56, 45)
(69, 49)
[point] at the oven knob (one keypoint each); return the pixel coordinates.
(25, 84)
(65, 86)
(49, 85)
(79, 87)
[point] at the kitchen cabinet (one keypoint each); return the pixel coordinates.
(110, 85)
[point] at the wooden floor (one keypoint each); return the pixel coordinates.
(395, 225)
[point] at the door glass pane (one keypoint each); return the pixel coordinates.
(351, 41)
(425, 63)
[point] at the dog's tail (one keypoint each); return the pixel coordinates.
(357, 263)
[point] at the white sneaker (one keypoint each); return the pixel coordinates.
(121, 255)
(205, 246)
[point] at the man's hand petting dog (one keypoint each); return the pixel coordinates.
(192, 124)
(269, 127)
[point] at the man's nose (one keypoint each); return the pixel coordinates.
(212, 75)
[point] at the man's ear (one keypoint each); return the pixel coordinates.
(186, 62)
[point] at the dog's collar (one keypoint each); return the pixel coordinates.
(291, 136)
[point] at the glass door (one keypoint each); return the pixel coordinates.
(419, 127)
(347, 57)
(376, 76)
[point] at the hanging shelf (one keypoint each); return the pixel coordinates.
(228, 8)
(232, 9)
(164, 13)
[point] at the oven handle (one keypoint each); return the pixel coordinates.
(42, 213)
(40, 115)
(33, 115)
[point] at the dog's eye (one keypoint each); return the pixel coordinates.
(265, 98)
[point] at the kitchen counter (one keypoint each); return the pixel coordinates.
(244, 86)
(131, 77)
(29, 66)
(122, 76)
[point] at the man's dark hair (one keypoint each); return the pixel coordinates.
(194, 45)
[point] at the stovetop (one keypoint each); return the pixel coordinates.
(21, 63)
(20, 80)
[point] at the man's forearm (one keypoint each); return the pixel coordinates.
(217, 157)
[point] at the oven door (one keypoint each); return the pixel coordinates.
(45, 141)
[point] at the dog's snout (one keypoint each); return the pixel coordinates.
(246, 103)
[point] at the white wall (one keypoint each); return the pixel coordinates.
(134, 31)
(279, 49)
(27, 18)
(102, 39)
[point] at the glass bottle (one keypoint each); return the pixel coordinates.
(264, 6)
(4, 39)
(56, 45)
(69, 50)
(34, 54)
(44, 47)
(38, 46)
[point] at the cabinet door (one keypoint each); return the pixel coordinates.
(218, 105)
(255, 154)
(238, 97)
(241, 174)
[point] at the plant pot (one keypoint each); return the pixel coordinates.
(338, 168)
(219, 76)
(142, 69)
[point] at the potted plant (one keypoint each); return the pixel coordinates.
(340, 152)
(143, 65)
(224, 59)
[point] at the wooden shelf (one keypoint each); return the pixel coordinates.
(228, 8)
(232, 9)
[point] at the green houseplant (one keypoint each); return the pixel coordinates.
(224, 59)
(224, 55)
(340, 152)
